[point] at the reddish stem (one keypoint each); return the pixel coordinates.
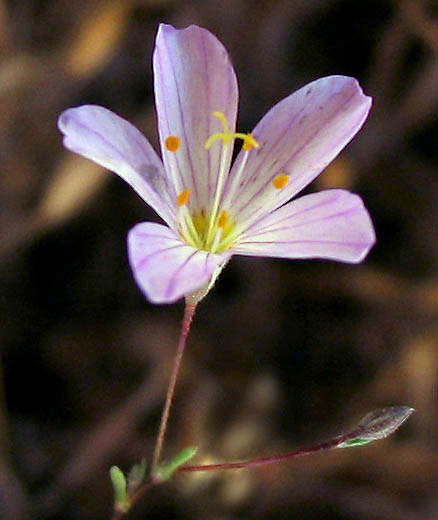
(245, 464)
(333, 443)
(265, 460)
(187, 320)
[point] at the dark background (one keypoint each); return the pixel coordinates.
(282, 353)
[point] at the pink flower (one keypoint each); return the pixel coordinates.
(214, 210)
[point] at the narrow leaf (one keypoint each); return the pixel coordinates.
(119, 484)
(166, 470)
(375, 425)
(136, 476)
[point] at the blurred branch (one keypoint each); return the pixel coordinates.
(105, 439)
(418, 21)
(5, 42)
(97, 38)
(13, 500)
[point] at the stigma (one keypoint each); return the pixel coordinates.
(249, 141)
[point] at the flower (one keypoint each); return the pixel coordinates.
(214, 210)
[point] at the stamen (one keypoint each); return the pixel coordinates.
(173, 143)
(281, 181)
(184, 197)
(223, 219)
(187, 228)
(235, 179)
(216, 241)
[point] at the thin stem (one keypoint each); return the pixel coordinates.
(333, 443)
(265, 460)
(235, 465)
(187, 320)
(118, 514)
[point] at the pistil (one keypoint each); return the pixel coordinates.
(227, 137)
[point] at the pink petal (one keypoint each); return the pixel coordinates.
(193, 79)
(164, 266)
(299, 137)
(107, 139)
(330, 224)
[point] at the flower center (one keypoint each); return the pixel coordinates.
(216, 242)
(195, 226)
(213, 229)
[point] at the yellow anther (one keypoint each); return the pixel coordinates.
(250, 142)
(281, 181)
(173, 143)
(184, 197)
(223, 219)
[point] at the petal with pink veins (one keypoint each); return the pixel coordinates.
(107, 139)
(332, 224)
(165, 267)
(194, 78)
(298, 137)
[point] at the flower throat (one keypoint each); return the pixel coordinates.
(210, 229)
(213, 229)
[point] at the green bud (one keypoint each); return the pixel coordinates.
(376, 425)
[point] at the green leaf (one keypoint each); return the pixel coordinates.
(119, 484)
(375, 425)
(167, 469)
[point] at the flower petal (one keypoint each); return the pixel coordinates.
(107, 139)
(193, 78)
(164, 266)
(298, 137)
(330, 224)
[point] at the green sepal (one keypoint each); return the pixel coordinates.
(167, 469)
(358, 441)
(120, 489)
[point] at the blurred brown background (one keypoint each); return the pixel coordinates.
(281, 353)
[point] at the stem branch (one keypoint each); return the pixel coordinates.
(264, 460)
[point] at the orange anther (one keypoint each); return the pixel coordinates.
(249, 142)
(184, 197)
(223, 219)
(281, 181)
(173, 143)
